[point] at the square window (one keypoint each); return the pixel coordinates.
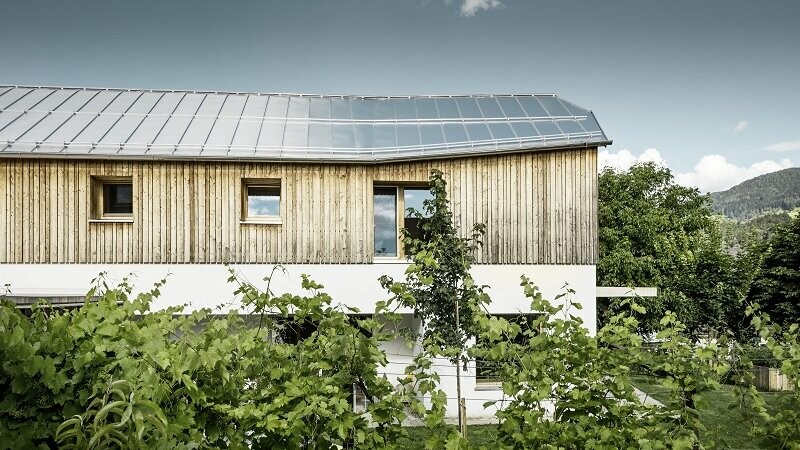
(112, 198)
(486, 372)
(262, 201)
(117, 198)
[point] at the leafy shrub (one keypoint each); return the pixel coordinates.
(115, 372)
(569, 389)
(779, 426)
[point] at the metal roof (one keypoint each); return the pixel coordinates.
(157, 124)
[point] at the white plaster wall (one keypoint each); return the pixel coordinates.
(204, 285)
(357, 285)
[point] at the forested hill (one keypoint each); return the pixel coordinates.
(771, 192)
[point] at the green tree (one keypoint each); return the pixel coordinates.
(654, 232)
(438, 286)
(776, 287)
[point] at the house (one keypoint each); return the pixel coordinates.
(182, 182)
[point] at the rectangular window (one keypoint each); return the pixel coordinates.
(262, 201)
(112, 198)
(413, 197)
(385, 214)
(487, 372)
(390, 205)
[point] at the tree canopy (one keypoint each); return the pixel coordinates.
(776, 286)
(654, 232)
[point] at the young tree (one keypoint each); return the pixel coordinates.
(438, 287)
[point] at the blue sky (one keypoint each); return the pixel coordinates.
(709, 87)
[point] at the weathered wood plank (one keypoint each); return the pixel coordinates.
(539, 207)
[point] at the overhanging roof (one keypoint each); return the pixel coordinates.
(136, 124)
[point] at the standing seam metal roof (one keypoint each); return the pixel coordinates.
(135, 124)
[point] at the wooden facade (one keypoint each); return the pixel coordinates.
(538, 207)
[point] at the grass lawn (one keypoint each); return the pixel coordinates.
(477, 435)
(724, 426)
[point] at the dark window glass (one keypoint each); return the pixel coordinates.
(414, 198)
(292, 331)
(385, 216)
(118, 198)
(263, 201)
(488, 371)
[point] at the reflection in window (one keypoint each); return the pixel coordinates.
(385, 215)
(263, 201)
(414, 198)
(118, 199)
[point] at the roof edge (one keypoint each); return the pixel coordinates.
(293, 94)
(161, 157)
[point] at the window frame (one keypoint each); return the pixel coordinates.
(483, 383)
(245, 217)
(98, 193)
(400, 210)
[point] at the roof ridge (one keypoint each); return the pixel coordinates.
(287, 94)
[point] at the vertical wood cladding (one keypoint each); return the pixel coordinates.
(539, 208)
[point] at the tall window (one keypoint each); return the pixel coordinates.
(385, 213)
(414, 198)
(391, 203)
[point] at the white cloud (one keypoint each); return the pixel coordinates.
(624, 159)
(711, 174)
(714, 173)
(786, 146)
(470, 7)
(741, 126)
